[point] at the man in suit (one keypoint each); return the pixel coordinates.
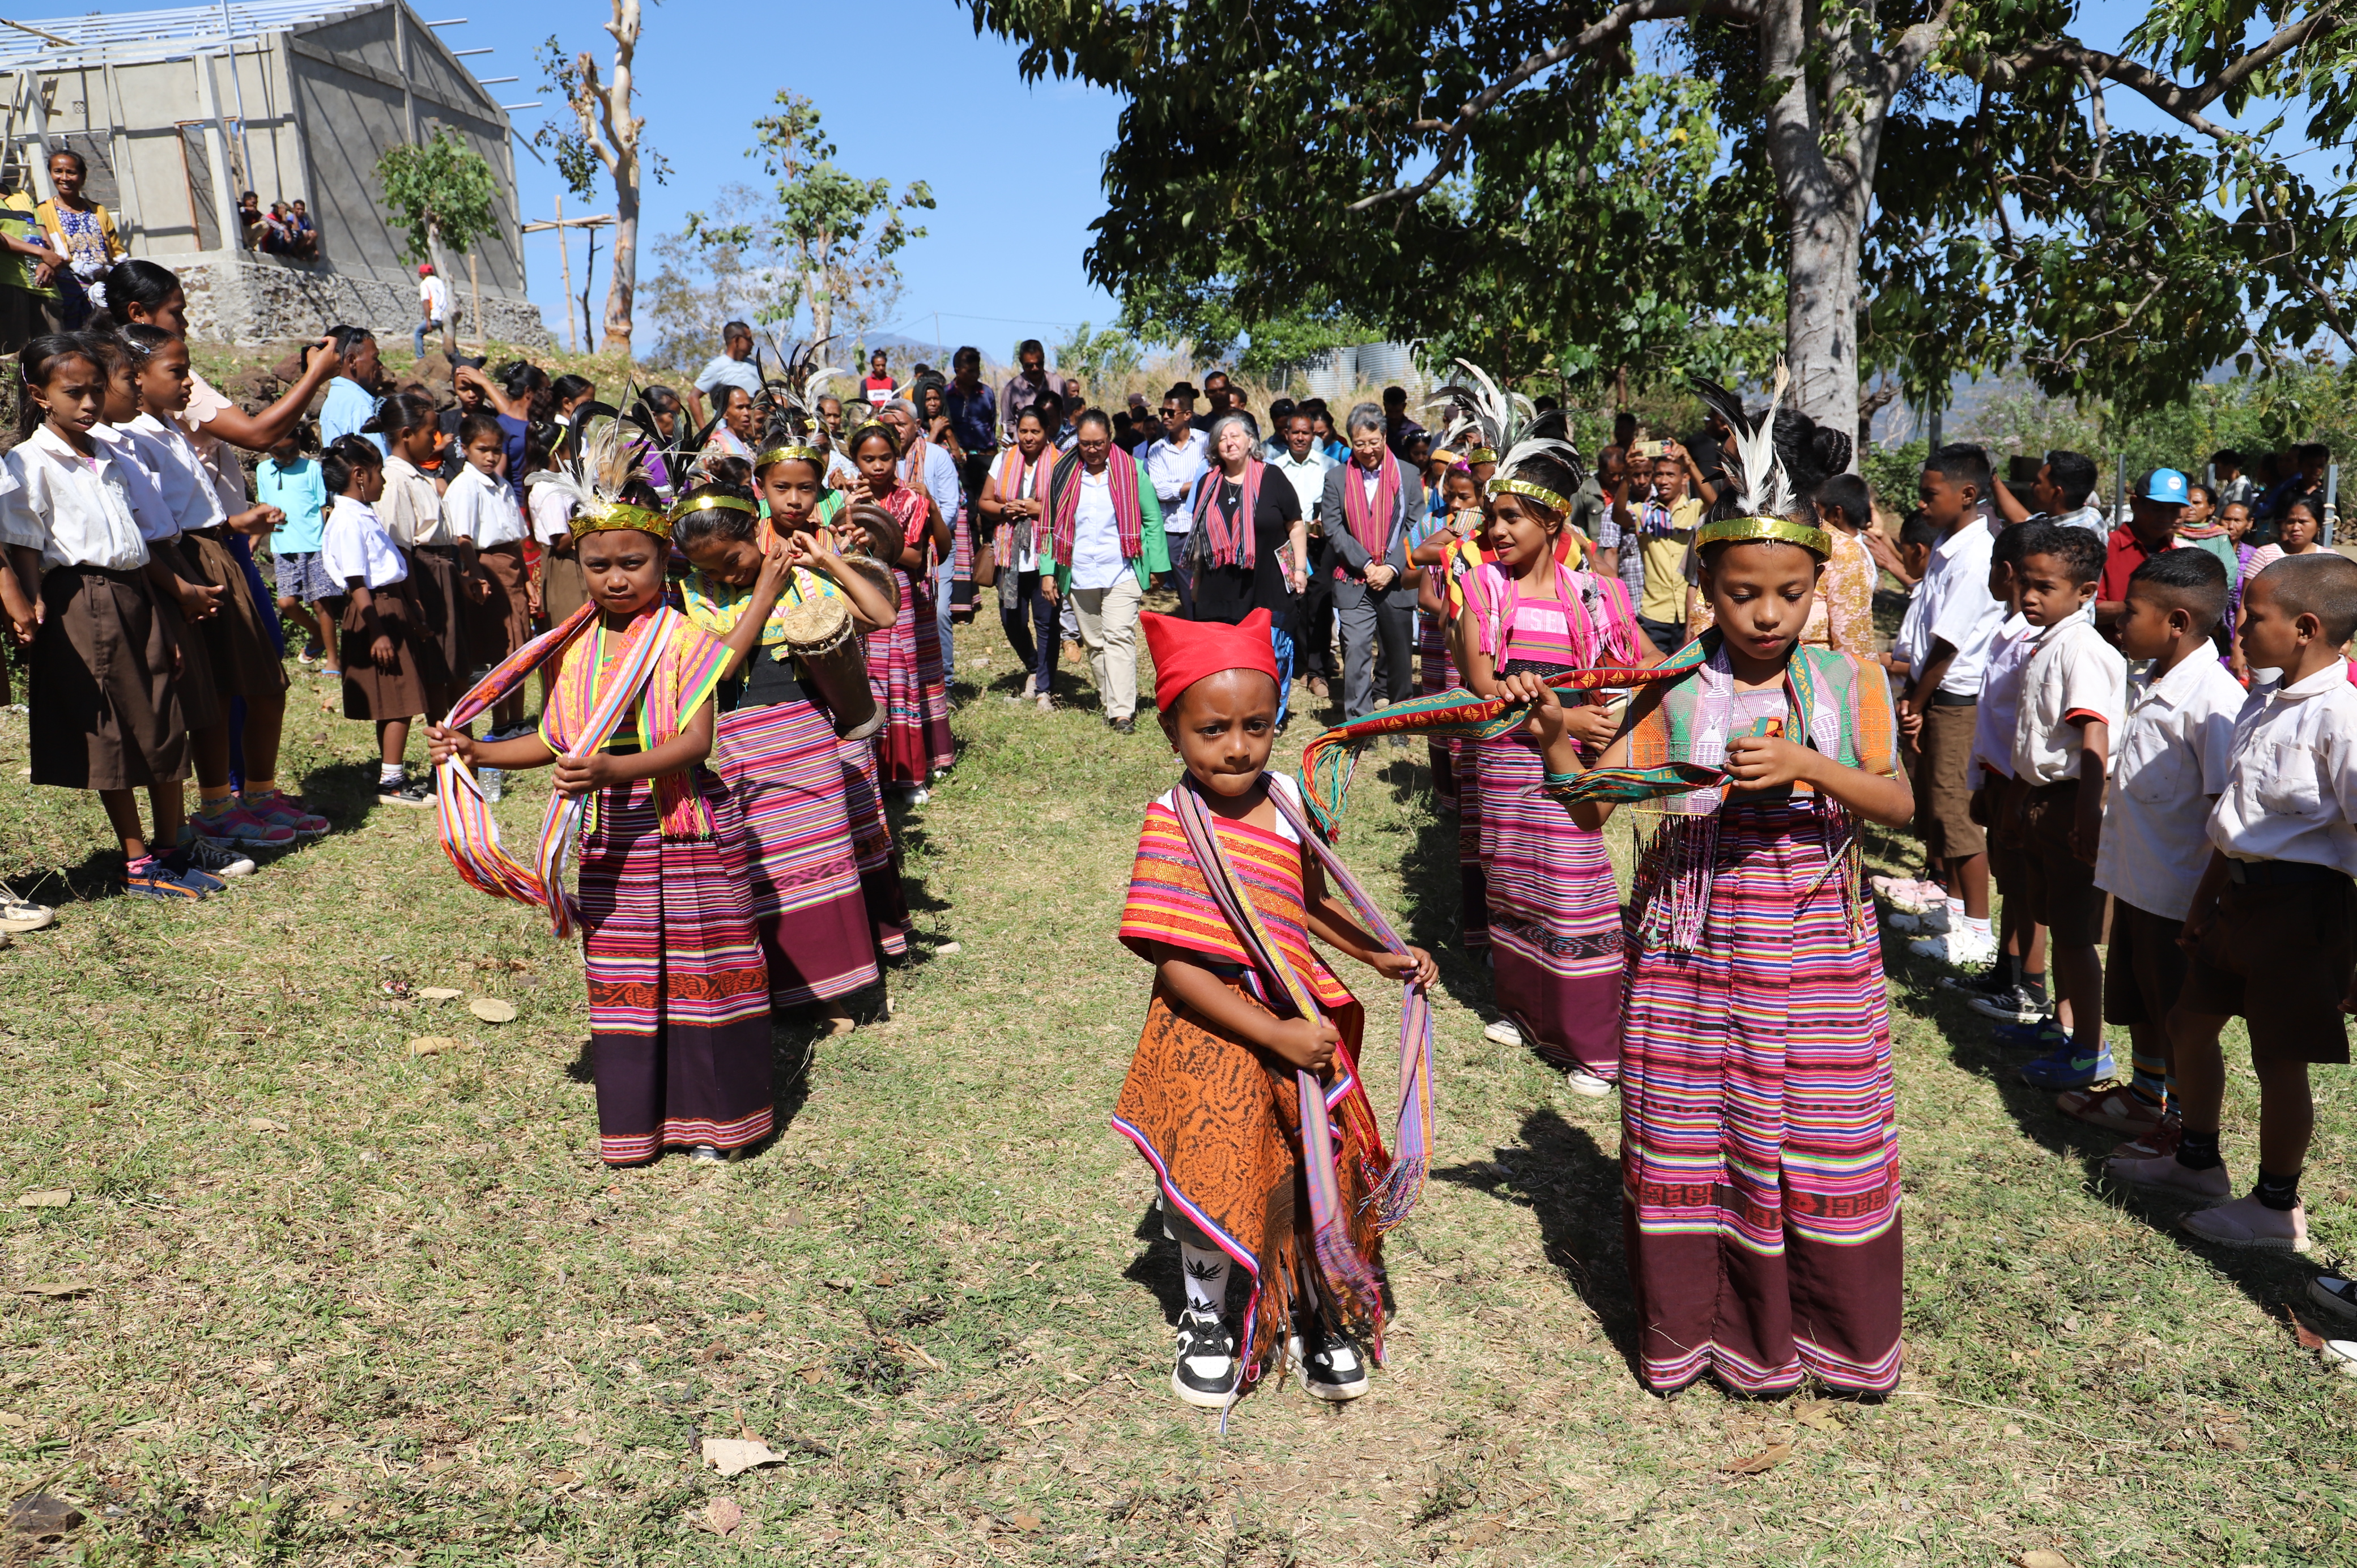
(1369, 508)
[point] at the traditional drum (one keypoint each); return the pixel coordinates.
(826, 648)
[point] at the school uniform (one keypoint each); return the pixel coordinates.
(245, 658)
(482, 509)
(1991, 768)
(109, 711)
(1959, 611)
(2073, 677)
(355, 545)
(2170, 757)
(441, 569)
(2279, 952)
(562, 588)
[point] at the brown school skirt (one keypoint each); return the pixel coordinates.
(106, 701)
(503, 624)
(562, 588)
(402, 692)
(246, 662)
(439, 574)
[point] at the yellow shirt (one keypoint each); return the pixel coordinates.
(1666, 563)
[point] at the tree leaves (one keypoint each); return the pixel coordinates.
(441, 191)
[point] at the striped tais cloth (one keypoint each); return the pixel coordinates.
(872, 846)
(1436, 673)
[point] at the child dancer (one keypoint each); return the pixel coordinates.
(111, 698)
(1758, 1151)
(1440, 599)
(772, 746)
(1229, 886)
(393, 671)
(679, 995)
(1553, 907)
(904, 662)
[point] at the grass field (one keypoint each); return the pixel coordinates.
(315, 1299)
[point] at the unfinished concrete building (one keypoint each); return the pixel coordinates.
(178, 112)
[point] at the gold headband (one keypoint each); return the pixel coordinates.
(891, 433)
(1752, 530)
(711, 503)
(810, 454)
(1480, 455)
(616, 516)
(1528, 491)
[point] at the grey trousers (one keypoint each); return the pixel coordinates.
(1365, 616)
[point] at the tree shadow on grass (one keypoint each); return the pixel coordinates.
(1571, 1188)
(1434, 886)
(1156, 1268)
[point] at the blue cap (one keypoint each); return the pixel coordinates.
(2164, 485)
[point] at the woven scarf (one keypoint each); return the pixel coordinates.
(1370, 517)
(1344, 1271)
(1019, 480)
(1229, 540)
(1495, 597)
(1064, 503)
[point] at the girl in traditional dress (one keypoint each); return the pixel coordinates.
(904, 660)
(774, 749)
(1759, 1156)
(1244, 1091)
(1439, 600)
(679, 992)
(1553, 909)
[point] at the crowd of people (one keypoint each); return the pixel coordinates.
(741, 601)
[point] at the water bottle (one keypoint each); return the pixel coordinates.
(494, 780)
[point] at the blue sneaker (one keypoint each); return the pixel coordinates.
(156, 879)
(2043, 1035)
(182, 863)
(2064, 1069)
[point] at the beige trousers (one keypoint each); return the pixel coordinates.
(1108, 620)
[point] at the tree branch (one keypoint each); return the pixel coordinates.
(2183, 104)
(1613, 25)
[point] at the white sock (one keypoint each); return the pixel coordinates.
(1206, 1270)
(1979, 928)
(1956, 916)
(388, 773)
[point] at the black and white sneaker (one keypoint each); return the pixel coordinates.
(1206, 1370)
(1329, 1366)
(414, 792)
(2015, 1004)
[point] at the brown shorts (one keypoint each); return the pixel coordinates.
(1944, 805)
(2144, 971)
(2279, 956)
(2059, 886)
(2006, 868)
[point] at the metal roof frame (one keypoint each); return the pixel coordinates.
(131, 38)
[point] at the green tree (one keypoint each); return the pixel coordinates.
(443, 197)
(1098, 357)
(1931, 185)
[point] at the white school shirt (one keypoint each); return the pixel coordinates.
(2073, 675)
(181, 476)
(2008, 657)
(1958, 609)
(1908, 642)
(79, 512)
(355, 544)
(2169, 760)
(479, 507)
(411, 507)
(2293, 783)
(551, 513)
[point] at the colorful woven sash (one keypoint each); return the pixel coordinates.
(1128, 511)
(1231, 542)
(1018, 480)
(1370, 517)
(1343, 1269)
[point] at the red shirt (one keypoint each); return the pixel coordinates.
(2124, 554)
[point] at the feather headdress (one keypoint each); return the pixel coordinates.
(1766, 499)
(1507, 430)
(789, 408)
(596, 472)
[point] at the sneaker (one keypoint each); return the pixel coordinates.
(1988, 984)
(215, 857)
(281, 810)
(2114, 1106)
(417, 792)
(158, 880)
(183, 863)
(1317, 684)
(2248, 1224)
(2040, 1035)
(2163, 1139)
(918, 796)
(1328, 1364)
(1580, 1080)
(2340, 1355)
(2015, 1004)
(2065, 1067)
(1504, 1032)
(1929, 922)
(234, 825)
(708, 1155)
(1958, 950)
(1915, 898)
(19, 916)
(311, 655)
(2164, 1174)
(1047, 702)
(1206, 1370)
(2335, 1294)
(1124, 726)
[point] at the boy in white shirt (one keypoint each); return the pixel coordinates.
(2073, 692)
(480, 509)
(2169, 764)
(2273, 925)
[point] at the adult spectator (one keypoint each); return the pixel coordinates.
(1322, 421)
(1616, 554)
(1031, 378)
(972, 411)
(1398, 428)
(1174, 465)
(253, 231)
(1107, 531)
(1273, 447)
(2063, 492)
(1369, 511)
(2232, 486)
(351, 396)
(83, 232)
(1216, 399)
(1144, 428)
(302, 234)
(1252, 550)
(433, 306)
(2153, 510)
(1304, 468)
(924, 465)
(732, 366)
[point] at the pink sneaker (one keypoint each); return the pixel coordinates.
(2247, 1223)
(281, 811)
(2161, 1173)
(235, 824)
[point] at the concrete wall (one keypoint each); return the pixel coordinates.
(260, 299)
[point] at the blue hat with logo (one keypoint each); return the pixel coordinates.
(2166, 485)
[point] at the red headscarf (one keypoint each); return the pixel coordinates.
(1185, 650)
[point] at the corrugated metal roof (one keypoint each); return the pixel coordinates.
(150, 33)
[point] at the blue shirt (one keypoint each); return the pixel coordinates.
(1173, 473)
(349, 406)
(296, 489)
(973, 419)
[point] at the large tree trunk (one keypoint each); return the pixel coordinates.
(622, 267)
